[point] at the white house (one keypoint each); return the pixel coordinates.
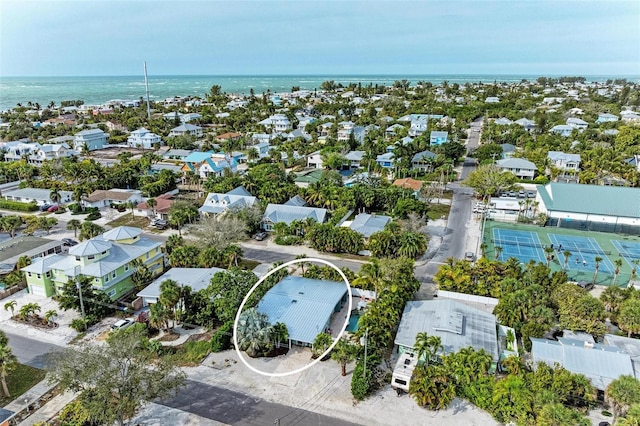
(577, 123)
(90, 140)
(523, 169)
(606, 118)
(528, 125)
(186, 129)
(143, 138)
(564, 161)
(216, 165)
(102, 198)
(236, 199)
(354, 158)
(279, 123)
(37, 195)
(314, 160)
(492, 100)
(48, 152)
(562, 130)
(503, 121)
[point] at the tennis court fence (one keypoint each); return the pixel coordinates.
(534, 244)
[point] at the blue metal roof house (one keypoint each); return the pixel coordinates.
(438, 137)
(288, 213)
(304, 305)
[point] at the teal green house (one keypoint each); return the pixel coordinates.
(108, 260)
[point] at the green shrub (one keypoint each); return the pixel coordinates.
(79, 325)
(288, 240)
(93, 216)
(221, 339)
(360, 383)
(18, 206)
(193, 352)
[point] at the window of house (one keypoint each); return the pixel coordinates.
(78, 258)
(147, 255)
(29, 273)
(48, 274)
(106, 278)
(39, 276)
(113, 275)
(111, 293)
(91, 257)
(96, 279)
(126, 268)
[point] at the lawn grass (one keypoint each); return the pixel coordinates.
(129, 220)
(247, 264)
(436, 211)
(20, 380)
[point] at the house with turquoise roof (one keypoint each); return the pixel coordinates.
(208, 163)
(108, 260)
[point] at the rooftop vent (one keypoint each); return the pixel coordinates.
(294, 301)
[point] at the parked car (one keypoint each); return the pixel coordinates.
(469, 256)
(53, 209)
(586, 285)
(260, 236)
(69, 242)
(531, 194)
(122, 324)
(521, 194)
(44, 207)
(159, 223)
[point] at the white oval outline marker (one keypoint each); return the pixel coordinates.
(260, 281)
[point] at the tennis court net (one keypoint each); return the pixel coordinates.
(573, 250)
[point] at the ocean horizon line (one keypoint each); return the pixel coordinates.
(553, 75)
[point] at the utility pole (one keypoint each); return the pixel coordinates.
(364, 371)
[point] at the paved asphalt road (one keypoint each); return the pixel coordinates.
(269, 256)
(235, 408)
(30, 351)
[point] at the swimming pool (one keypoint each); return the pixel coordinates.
(353, 321)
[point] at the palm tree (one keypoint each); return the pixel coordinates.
(55, 196)
(280, 333)
(8, 362)
(549, 251)
(49, 316)
(621, 394)
(498, 251)
(629, 317)
(344, 352)
(618, 263)
(78, 193)
(427, 346)
(74, 225)
(567, 255)
(151, 205)
(170, 296)
(232, 253)
(635, 269)
(11, 306)
(597, 259)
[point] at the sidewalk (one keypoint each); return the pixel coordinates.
(35, 411)
(184, 335)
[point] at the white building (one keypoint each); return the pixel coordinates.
(186, 129)
(523, 169)
(606, 118)
(279, 123)
(90, 140)
(577, 123)
(143, 138)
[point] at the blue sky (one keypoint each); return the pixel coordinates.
(96, 37)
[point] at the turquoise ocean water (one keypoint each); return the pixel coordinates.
(96, 90)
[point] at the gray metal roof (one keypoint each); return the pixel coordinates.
(458, 325)
(282, 213)
(240, 190)
(122, 233)
(36, 194)
(89, 248)
(303, 304)
(601, 364)
(218, 203)
(516, 163)
(559, 155)
(296, 201)
(368, 224)
(196, 278)
(423, 155)
(354, 155)
(591, 199)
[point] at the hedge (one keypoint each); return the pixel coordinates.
(18, 206)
